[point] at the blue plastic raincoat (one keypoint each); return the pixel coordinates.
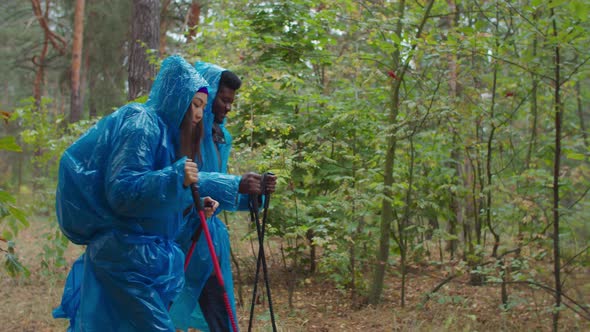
(222, 187)
(121, 193)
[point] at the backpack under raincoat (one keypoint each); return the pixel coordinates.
(120, 192)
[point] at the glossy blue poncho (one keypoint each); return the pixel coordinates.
(120, 192)
(222, 187)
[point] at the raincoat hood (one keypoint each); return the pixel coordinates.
(173, 90)
(212, 74)
(214, 156)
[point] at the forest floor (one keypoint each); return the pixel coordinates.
(317, 305)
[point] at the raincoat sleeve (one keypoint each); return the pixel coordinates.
(222, 188)
(134, 186)
(244, 202)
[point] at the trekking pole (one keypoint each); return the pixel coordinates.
(218, 275)
(194, 240)
(261, 259)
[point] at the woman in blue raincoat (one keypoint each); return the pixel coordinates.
(200, 304)
(122, 192)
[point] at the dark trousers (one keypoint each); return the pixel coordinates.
(213, 307)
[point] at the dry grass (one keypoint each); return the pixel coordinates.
(28, 302)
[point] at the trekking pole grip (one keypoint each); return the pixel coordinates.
(264, 192)
(196, 196)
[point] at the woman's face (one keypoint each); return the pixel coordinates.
(191, 126)
(197, 106)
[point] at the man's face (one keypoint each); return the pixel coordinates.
(223, 101)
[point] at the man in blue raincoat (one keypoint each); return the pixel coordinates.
(122, 192)
(200, 304)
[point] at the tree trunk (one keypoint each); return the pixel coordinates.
(402, 235)
(354, 296)
(92, 112)
(504, 287)
(164, 21)
(581, 115)
(534, 106)
(76, 99)
(479, 186)
(457, 218)
(490, 150)
(473, 254)
(58, 43)
(556, 167)
(145, 38)
(193, 20)
(469, 217)
(455, 204)
(312, 251)
(387, 208)
(39, 61)
(84, 89)
(386, 219)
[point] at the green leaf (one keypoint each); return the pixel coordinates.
(581, 10)
(19, 214)
(575, 156)
(14, 267)
(8, 143)
(6, 197)
(7, 235)
(555, 3)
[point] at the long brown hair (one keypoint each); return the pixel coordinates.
(190, 137)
